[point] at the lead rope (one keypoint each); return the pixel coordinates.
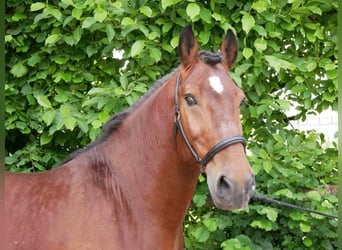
(284, 204)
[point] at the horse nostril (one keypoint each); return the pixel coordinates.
(224, 185)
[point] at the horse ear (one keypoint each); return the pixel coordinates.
(229, 49)
(187, 47)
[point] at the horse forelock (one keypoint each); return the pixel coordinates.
(211, 58)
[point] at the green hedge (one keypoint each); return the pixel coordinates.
(63, 83)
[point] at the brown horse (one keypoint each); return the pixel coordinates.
(131, 188)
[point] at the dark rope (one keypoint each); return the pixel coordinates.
(284, 204)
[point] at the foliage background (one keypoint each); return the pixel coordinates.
(63, 83)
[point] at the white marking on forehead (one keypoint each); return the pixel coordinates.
(216, 84)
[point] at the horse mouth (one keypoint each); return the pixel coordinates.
(238, 202)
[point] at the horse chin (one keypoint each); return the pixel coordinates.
(229, 204)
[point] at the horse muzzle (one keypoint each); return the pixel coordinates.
(231, 194)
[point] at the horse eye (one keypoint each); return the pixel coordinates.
(190, 100)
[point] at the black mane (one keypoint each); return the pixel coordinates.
(210, 58)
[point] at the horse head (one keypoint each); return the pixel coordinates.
(208, 117)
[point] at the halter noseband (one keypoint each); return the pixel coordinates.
(215, 149)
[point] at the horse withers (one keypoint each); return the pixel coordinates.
(130, 189)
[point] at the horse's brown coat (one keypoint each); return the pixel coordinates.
(131, 190)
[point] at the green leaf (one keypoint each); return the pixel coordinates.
(18, 16)
(304, 227)
(37, 6)
(332, 74)
(56, 13)
(39, 166)
(315, 10)
(313, 195)
(65, 111)
(19, 70)
(33, 60)
(89, 21)
(69, 40)
(329, 97)
(110, 32)
(91, 50)
(267, 166)
(152, 35)
(155, 54)
(247, 53)
(126, 21)
(216, 17)
(103, 117)
(271, 213)
(77, 13)
(284, 104)
(278, 63)
(260, 6)
(204, 36)
(137, 47)
(76, 35)
(174, 42)
(167, 27)
(260, 44)
(299, 88)
(96, 124)
(60, 60)
(247, 21)
(278, 138)
(44, 101)
(61, 98)
(205, 15)
(83, 125)
(297, 216)
(284, 192)
(147, 11)
(263, 224)
(45, 138)
(52, 39)
(231, 244)
(167, 3)
(199, 199)
(201, 234)
(311, 66)
(193, 10)
(100, 15)
(49, 116)
(68, 2)
(70, 123)
(307, 242)
(140, 88)
(242, 69)
(40, 16)
(119, 91)
(211, 223)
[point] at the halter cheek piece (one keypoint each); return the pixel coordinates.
(215, 149)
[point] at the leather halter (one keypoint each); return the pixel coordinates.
(215, 149)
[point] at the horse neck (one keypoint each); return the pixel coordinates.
(152, 176)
